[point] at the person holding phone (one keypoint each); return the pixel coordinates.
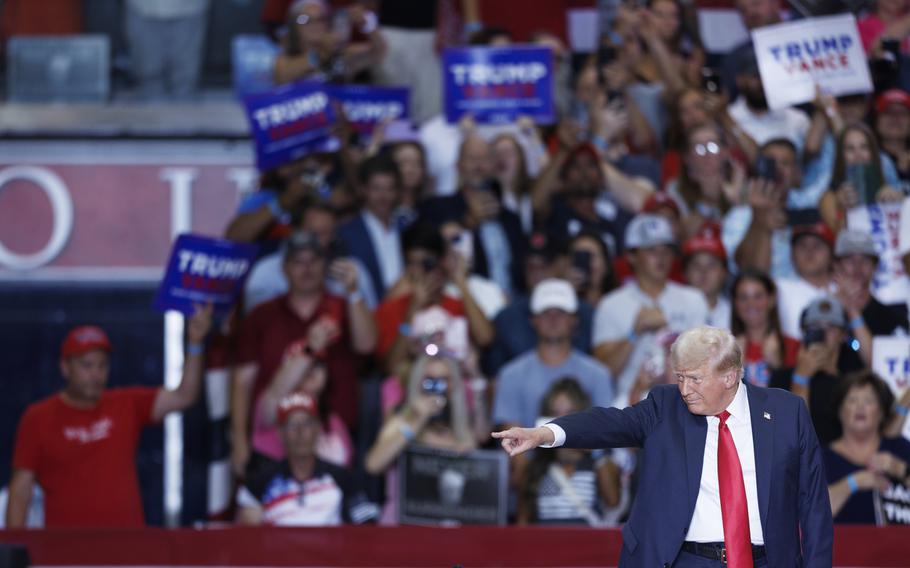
(858, 179)
(591, 270)
(824, 358)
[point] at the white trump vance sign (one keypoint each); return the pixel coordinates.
(891, 361)
(793, 57)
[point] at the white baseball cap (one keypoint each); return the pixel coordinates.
(554, 293)
(646, 231)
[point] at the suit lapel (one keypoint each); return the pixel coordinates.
(763, 442)
(696, 429)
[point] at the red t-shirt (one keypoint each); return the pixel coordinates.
(85, 460)
(272, 326)
(757, 370)
(390, 315)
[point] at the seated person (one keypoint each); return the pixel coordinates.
(567, 486)
(867, 466)
(302, 490)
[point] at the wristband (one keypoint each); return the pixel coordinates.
(355, 296)
(194, 349)
(857, 323)
(851, 481)
(902, 409)
(801, 380)
(599, 142)
(406, 431)
(632, 337)
(370, 23)
(405, 330)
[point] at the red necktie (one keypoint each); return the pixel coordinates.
(733, 505)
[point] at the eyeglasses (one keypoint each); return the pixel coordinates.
(705, 149)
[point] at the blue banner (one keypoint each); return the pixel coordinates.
(289, 122)
(365, 107)
(202, 270)
(499, 84)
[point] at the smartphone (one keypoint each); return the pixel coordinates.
(581, 261)
(434, 386)
(605, 55)
(814, 335)
(865, 181)
(766, 169)
(710, 80)
(891, 47)
(337, 249)
(463, 244)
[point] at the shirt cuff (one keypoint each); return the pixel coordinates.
(558, 433)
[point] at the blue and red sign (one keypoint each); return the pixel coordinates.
(499, 84)
(364, 106)
(290, 122)
(204, 270)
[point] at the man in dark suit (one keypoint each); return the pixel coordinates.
(728, 471)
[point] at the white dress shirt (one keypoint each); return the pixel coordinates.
(707, 520)
(387, 244)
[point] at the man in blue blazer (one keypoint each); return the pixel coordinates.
(728, 471)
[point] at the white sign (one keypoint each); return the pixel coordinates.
(793, 57)
(883, 223)
(891, 361)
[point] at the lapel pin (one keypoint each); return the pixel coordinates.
(767, 415)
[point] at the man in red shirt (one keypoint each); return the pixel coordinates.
(341, 328)
(80, 444)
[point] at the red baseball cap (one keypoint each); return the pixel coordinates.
(659, 200)
(80, 340)
(819, 229)
(294, 402)
(706, 240)
(892, 97)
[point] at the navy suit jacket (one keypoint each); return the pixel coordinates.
(792, 488)
(356, 238)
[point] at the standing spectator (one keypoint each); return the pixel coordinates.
(889, 19)
(419, 305)
(302, 370)
(344, 327)
(892, 125)
(591, 271)
(477, 205)
(811, 252)
(824, 359)
(855, 263)
(166, 41)
(756, 326)
(372, 237)
(302, 490)
(754, 14)
(80, 444)
(515, 333)
(705, 262)
(511, 170)
(523, 383)
(627, 321)
(416, 184)
(312, 50)
(856, 149)
(758, 232)
(869, 461)
(567, 486)
(750, 110)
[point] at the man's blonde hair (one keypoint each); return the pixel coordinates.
(712, 345)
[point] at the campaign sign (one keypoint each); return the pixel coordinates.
(289, 122)
(364, 107)
(443, 487)
(794, 57)
(204, 270)
(883, 223)
(891, 361)
(499, 84)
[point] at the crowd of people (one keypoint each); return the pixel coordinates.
(497, 275)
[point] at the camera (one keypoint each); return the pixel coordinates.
(710, 80)
(766, 169)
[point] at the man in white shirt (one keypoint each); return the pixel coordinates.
(730, 472)
(750, 110)
(629, 322)
(811, 249)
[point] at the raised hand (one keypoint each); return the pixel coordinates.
(199, 323)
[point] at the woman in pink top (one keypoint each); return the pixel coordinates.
(303, 371)
(889, 19)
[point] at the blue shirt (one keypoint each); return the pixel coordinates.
(523, 383)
